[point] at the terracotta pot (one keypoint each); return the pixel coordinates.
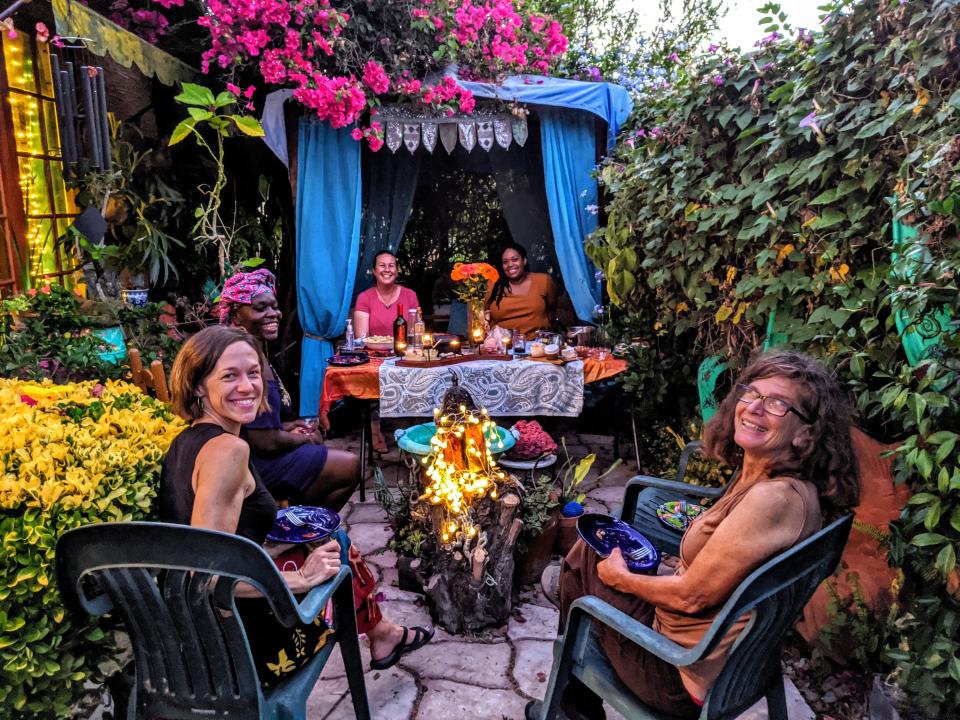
(531, 564)
(567, 534)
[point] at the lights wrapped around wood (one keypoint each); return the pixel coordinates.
(464, 508)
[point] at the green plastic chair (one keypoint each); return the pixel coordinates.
(173, 586)
(774, 595)
(921, 337)
(644, 494)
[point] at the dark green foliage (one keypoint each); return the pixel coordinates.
(768, 183)
(49, 334)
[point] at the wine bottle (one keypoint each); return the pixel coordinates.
(399, 331)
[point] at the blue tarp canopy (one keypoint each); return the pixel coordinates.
(328, 203)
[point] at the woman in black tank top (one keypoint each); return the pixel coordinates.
(208, 481)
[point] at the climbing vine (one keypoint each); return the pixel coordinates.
(758, 199)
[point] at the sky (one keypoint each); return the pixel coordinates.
(739, 26)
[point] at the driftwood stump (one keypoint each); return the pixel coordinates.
(471, 590)
(468, 585)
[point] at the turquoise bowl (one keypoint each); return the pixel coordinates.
(416, 440)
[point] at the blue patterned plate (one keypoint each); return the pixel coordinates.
(603, 533)
(303, 524)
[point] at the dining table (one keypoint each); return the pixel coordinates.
(517, 387)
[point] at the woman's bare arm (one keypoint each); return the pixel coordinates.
(222, 480)
(761, 525)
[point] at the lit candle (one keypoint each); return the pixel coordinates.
(506, 341)
(454, 346)
(427, 340)
(477, 334)
(401, 347)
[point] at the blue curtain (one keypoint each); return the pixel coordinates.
(569, 155)
(389, 184)
(328, 245)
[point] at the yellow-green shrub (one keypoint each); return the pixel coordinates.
(69, 455)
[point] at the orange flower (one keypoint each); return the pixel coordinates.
(467, 271)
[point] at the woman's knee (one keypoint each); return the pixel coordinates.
(341, 466)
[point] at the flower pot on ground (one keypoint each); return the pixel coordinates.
(531, 563)
(567, 534)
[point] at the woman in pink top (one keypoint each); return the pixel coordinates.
(787, 425)
(374, 313)
(376, 308)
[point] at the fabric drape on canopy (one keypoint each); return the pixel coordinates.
(389, 184)
(103, 37)
(609, 102)
(569, 155)
(328, 245)
(518, 173)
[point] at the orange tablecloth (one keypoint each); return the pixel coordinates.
(363, 381)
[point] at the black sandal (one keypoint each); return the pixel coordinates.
(421, 636)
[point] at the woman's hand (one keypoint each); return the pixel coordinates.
(322, 564)
(613, 570)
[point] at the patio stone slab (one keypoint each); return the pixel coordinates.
(608, 495)
(533, 622)
(797, 708)
(391, 693)
(382, 559)
(334, 669)
(531, 670)
(445, 700)
(326, 695)
(370, 537)
(463, 662)
(365, 513)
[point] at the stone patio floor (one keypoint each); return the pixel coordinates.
(488, 676)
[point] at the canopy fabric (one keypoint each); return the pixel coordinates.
(389, 183)
(328, 245)
(103, 37)
(568, 159)
(611, 103)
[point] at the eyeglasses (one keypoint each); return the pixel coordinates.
(772, 405)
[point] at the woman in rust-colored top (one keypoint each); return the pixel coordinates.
(787, 425)
(521, 300)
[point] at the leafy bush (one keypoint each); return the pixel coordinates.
(48, 333)
(71, 455)
(758, 196)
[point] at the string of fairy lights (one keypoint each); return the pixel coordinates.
(37, 188)
(461, 470)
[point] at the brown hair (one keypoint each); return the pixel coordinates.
(826, 459)
(196, 360)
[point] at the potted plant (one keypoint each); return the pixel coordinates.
(572, 475)
(139, 208)
(538, 510)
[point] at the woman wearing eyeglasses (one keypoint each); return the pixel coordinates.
(787, 426)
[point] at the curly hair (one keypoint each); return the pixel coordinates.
(502, 286)
(826, 459)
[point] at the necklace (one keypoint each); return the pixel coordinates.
(284, 395)
(386, 304)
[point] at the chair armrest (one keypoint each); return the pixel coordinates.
(689, 449)
(316, 600)
(632, 629)
(631, 493)
(681, 488)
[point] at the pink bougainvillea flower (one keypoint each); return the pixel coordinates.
(233, 88)
(712, 47)
(356, 134)
(718, 80)
(809, 120)
(42, 33)
(673, 57)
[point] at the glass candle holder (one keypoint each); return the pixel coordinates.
(454, 346)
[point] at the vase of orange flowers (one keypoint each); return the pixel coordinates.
(471, 289)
